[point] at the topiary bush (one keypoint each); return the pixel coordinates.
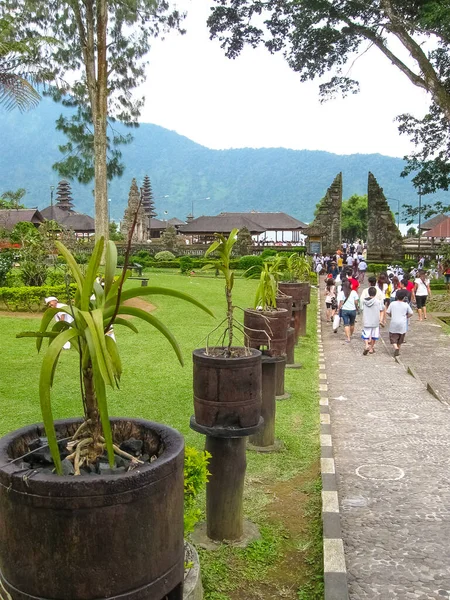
(32, 298)
(268, 252)
(166, 264)
(186, 264)
(164, 255)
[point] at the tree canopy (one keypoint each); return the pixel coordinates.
(354, 218)
(98, 61)
(324, 36)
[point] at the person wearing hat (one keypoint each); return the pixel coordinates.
(52, 302)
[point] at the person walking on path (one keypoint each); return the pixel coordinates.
(422, 292)
(362, 268)
(348, 304)
(371, 309)
(330, 299)
(383, 286)
(400, 312)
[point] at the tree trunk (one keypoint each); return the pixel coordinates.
(100, 123)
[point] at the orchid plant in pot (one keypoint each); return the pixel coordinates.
(235, 399)
(124, 503)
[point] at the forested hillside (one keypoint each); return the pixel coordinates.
(267, 179)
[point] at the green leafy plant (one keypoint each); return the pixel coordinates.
(222, 247)
(94, 310)
(267, 290)
(195, 478)
(295, 268)
(186, 264)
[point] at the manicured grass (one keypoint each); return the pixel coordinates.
(282, 492)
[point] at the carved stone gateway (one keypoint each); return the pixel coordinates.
(141, 230)
(384, 240)
(327, 224)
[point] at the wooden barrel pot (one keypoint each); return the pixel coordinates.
(227, 391)
(300, 292)
(267, 330)
(93, 536)
(285, 302)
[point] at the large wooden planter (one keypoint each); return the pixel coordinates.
(227, 391)
(300, 292)
(267, 330)
(93, 536)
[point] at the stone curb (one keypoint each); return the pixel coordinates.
(334, 566)
(426, 384)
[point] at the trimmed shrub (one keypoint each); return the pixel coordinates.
(56, 278)
(245, 262)
(164, 255)
(166, 264)
(31, 298)
(142, 258)
(268, 252)
(186, 264)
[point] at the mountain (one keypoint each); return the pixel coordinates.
(265, 179)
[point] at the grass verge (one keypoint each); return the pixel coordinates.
(282, 493)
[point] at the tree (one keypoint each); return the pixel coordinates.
(354, 218)
(169, 239)
(317, 37)
(11, 199)
(16, 89)
(412, 232)
(114, 233)
(102, 47)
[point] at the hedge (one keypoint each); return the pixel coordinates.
(32, 298)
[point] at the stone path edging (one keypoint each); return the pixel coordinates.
(335, 570)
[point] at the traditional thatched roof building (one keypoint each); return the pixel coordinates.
(261, 225)
(11, 216)
(62, 212)
(440, 231)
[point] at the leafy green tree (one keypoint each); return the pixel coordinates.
(16, 88)
(102, 48)
(412, 232)
(12, 199)
(354, 218)
(169, 239)
(114, 232)
(317, 37)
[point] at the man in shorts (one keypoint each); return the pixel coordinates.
(371, 308)
(400, 312)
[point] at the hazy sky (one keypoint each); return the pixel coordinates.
(257, 101)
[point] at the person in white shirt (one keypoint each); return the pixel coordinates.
(348, 301)
(422, 292)
(400, 312)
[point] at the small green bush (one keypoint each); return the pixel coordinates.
(268, 252)
(164, 255)
(6, 263)
(55, 277)
(186, 264)
(376, 268)
(31, 298)
(245, 262)
(142, 258)
(195, 477)
(13, 278)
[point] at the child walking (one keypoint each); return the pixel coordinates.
(330, 299)
(371, 308)
(399, 311)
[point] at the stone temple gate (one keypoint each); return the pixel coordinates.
(384, 240)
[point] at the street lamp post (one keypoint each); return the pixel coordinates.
(420, 215)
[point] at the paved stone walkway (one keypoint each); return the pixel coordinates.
(391, 441)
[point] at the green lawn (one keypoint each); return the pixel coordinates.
(282, 493)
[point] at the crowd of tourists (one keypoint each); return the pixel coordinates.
(351, 257)
(388, 295)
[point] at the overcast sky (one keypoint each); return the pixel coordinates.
(257, 101)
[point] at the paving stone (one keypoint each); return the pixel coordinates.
(392, 453)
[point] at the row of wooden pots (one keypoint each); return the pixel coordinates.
(106, 537)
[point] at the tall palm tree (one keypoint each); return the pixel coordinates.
(16, 83)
